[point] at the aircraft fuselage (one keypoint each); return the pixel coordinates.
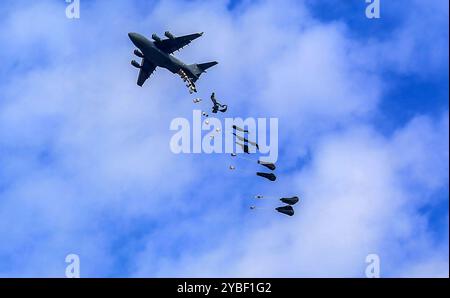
(156, 56)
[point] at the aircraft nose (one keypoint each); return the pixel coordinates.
(132, 36)
(136, 39)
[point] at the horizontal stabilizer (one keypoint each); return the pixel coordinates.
(198, 69)
(205, 66)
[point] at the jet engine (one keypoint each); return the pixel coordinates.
(169, 35)
(138, 53)
(135, 64)
(156, 37)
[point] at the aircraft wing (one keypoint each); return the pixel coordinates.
(147, 68)
(171, 45)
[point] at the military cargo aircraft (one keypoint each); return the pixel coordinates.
(158, 53)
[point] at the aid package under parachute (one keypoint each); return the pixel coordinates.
(290, 201)
(245, 140)
(235, 127)
(245, 147)
(269, 165)
(269, 176)
(288, 210)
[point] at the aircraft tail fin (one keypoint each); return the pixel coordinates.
(198, 69)
(205, 66)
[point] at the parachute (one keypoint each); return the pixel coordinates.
(288, 210)
(246, 140)
(268, 165)
(269, 176)
(239, 129)
(244, 147)
(290, 201)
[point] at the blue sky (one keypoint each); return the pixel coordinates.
(85, 165)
